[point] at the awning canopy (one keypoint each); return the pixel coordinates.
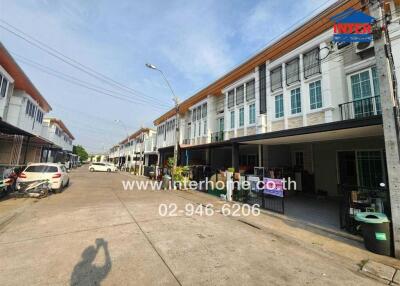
(344, 129)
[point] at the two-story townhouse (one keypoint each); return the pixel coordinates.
(305, 108)
(57, 132)
(136, 151)
(22, 109)
(166, 136)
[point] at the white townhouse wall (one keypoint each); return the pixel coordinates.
(6, 90)
(25, 113)
(150, 141)
(241, 108)
(55, 131)
(166, 133)
(286, 86)
(196, 124)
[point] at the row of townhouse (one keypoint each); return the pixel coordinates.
(136, 152)
(26, 135)
(304, 107)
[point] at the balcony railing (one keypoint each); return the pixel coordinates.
(361, 108)
(186, 141)
(217, 136)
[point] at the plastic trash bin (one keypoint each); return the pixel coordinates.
(376, 232)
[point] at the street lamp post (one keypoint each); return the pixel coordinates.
(127, 134)
(175, 99)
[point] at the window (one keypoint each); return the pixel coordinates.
(239, 94)
(3, 86)
(370, 170)
(276, 79)
(41, 169)
(198, 113)
(312, 63)
(232, 119)
(199, 128)
(205, 127)
(250, 90)
(292, 71)
(221, 124)
(204, 110)
(231, 98)
(365, 92)
(27, 107)
(263, 88)
(279, 106)
(39, 116)
(295, 98)
(241, 116)
(315, 94)
(252, 113)
(194, 115)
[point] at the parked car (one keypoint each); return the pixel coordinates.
(102, 167)
(57, 175)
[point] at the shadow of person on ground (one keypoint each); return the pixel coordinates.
(86, 272)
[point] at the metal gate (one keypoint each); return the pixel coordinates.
(256, 196)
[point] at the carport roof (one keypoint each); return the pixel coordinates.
(344, 129)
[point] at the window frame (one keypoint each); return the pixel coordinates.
(275, 71)
(295, 60)
(249, 91)
(231, 98)
(239, 96)
(295, 97)
(318, 103)
(252, 113)
(281, 112)
(307, 68)
(241, 116)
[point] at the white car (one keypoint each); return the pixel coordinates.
(56, 173)
(102, 167)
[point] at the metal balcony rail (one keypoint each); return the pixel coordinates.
(217, 136)
(360, 108)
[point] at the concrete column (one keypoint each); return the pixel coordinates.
(235, 156)
(390, 125)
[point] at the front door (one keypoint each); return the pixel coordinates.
(347, 168)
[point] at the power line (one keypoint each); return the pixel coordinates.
(84, 84)
(92, 88)
(74, 63)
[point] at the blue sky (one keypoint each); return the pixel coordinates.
(193, 42)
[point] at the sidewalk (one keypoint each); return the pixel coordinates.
(350, 251)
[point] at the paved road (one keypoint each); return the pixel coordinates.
(96, 233)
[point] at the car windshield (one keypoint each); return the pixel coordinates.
(41, 169)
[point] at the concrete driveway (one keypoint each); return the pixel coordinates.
(96, 233)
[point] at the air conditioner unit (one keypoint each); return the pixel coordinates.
(361, 47)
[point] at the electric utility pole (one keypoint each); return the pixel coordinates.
(389, 103)
(177, 133)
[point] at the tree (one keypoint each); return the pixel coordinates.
(81, 152)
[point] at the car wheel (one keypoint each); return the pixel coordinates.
(67, 184)
(59, 190)
(91, 170)
(109, 170)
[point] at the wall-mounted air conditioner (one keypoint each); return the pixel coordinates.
(361, 47)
